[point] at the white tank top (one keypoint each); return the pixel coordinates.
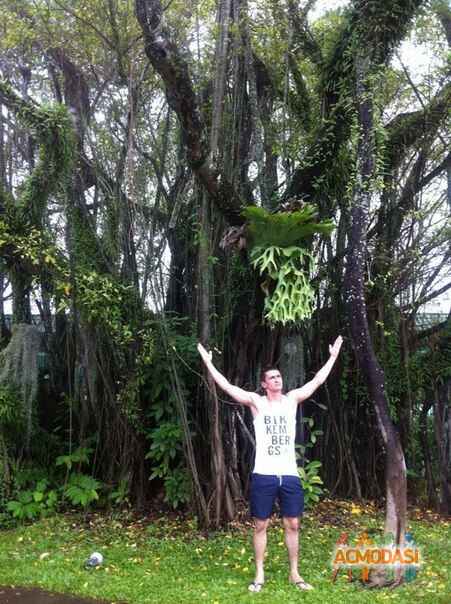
(275, 433)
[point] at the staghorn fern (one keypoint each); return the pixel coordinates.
(284, 229)
(276, 252)
(290, 269)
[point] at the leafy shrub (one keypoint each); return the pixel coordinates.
(82, 489)
(311, 481)
(165, 449)
(164, 432)
(79, 456)
(166, 443)
(120, 495)
(309, 470)
(12, 416)
(38, 492)
(177, 486)
(33, 503)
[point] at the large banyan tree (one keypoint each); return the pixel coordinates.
(262, 193)
(345, 132)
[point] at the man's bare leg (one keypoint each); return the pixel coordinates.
(259, 539)
(291, 526)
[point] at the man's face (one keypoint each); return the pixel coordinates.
(273, 381)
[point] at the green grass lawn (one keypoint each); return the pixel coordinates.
(167, 561)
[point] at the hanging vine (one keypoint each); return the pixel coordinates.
(21, 220)
(52, 127)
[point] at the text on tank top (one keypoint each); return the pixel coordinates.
(275, 433)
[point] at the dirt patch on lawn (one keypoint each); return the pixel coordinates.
(19, 595)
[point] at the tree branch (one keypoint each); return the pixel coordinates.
(302, 35)
(173, 69)
(430, 331)
(378, 26)
(443, 12)
(431, 296)
(446, 163)
(407, 128)
(88, 23)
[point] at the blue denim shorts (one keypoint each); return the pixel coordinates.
(265, 489)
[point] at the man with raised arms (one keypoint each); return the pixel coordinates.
(275, 474)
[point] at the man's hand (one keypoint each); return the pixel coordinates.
(301, 394)
(239, 395)
(206, 356)
(334, 349)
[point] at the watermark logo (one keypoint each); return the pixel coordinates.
(368, 555)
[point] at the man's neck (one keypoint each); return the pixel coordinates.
(274, 397)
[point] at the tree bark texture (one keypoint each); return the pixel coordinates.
(396, 489)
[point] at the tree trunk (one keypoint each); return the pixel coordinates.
(220, 495)
(442, 422)
(396, 485)
(424, 443)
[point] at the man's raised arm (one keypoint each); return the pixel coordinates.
(238, 394)
(300, 394)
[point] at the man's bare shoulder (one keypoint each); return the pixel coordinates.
(255, 403)
(294, 396)
(257, 398)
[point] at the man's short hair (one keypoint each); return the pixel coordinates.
(265, 370)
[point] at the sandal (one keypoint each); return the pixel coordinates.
(255, 587)
(302, 585)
